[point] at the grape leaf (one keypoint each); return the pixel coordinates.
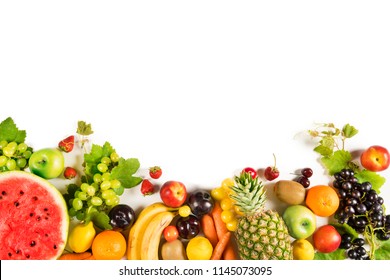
(10, 132)
(349, 131)
(376, 180)
(83, 128)
(337, 161)
(92, 159)
(345, 228)
(101, 220)
(383, 250)
(339, 254)
(124, 172)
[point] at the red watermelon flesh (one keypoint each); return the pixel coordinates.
(33, 218)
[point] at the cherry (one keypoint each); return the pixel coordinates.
(271, 172)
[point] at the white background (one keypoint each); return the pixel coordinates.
(201, 88)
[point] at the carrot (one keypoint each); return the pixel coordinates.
(220, 226)
(221, 246)
(209, 230)
(230, 251)
(75, 256)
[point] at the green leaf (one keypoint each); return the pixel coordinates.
(349, 131)
(345, 228)
(101, 220)
(124, 172)
(83, 128)
(339, 254)
(323, 150)
(10, 132)
(383, 250)
(93, 158)
(337, 161)
(376, 180)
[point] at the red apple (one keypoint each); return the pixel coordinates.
(173, 193)
(375, 158)
(326, 239)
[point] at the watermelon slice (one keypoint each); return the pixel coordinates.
(34, 221)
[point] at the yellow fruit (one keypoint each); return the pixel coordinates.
(227, 203)
(81, 237)
(184, 211)
(227, 183)
(227, 216)
(232, 224)
(199, 248)
(218, 193)
(303, 250)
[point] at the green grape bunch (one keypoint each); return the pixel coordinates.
(106, 177)
(14, 152)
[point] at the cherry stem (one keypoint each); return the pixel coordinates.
(274, 160)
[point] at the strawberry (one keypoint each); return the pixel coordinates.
(155, 172)
(67, 144)
(147, 188)
(70, 172)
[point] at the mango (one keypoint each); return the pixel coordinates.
(290, 192)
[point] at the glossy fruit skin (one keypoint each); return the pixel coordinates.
(200, 202)
(70, 173)
(121, 216)
(47, 163)
(303, 250)
(170, 233)
(188, 227)
(155, 172)
(81, 237)
(326, 239)
(67, 144)
(300, 221)
(375, 158)
(173, 193)
(251, 171)
(147, 188)
(199, 248)
(271, 173)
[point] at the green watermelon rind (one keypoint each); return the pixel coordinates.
(58, 198)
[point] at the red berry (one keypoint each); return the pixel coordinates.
(67, 144)
(70, 172)
(307, 172)
(304, 181)
(251, 171)
(155, 172)
(147, 188)
(271, 172)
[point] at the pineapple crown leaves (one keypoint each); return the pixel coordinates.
(248, 193)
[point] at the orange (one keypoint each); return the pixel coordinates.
(322, 200)
(109, 245)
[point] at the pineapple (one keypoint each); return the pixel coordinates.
(261, 235)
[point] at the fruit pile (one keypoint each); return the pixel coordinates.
(228, 222)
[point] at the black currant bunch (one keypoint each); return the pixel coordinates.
(355, 247)
(360, 206)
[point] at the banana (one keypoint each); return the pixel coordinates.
(152, 236)
(138, 229)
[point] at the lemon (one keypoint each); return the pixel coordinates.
(81, 237)
(303, 250)
(199, 248)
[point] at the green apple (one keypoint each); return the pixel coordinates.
(300, 220)
(47, 163)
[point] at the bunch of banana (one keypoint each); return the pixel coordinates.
(145, 234)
